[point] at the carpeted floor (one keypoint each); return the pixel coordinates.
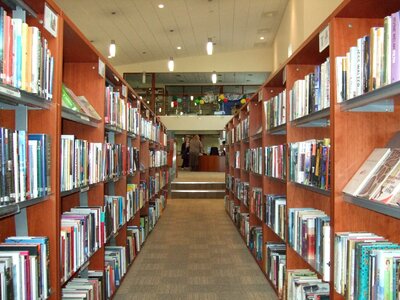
(195, 252)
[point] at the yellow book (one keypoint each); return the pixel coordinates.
(29, 60)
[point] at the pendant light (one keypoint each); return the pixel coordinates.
(112, 49)
(171, 64)
(210, 46)
(214, 77)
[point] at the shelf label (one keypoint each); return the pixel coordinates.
(10, 92)
(85, 118)
(85, 189)
(50, 20)
(324, 39)
(124, 91)
(102, 68)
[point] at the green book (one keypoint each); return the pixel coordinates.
(67, 100)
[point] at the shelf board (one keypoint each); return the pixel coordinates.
(379, 100)
(31, 202)
(278, 130)
(131, 135)
(255, 174)
(385, 209)
(115, 179)
(9, 210)
(112, 128)
(78, 117)
(313, 189)
(256, 136)
(276, 179)
(13, 97)
(315, 119)
(311, 263)
(273, 231)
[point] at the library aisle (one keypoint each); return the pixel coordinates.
(195, 252)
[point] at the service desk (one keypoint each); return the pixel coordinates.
(211, 163)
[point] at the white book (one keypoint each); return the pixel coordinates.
(365, 172)
(35, 58)
(339, 78)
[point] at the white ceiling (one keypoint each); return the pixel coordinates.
(142, 31)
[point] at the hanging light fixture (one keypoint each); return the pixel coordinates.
(210, 46)
(112, 49)
(144, 77)
(171, 64)
(214, 77)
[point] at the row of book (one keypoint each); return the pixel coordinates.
(149, 130)
(158, 158)
(275, 265)
(86, 163)
(24, 268)
(256, 242)
(367, 266)
(115, 268)
(155, 210)
(372, 63)
(78, 103)
(115, 214)
(309, 163)
(133, 200)
(229, 182)
(312, 93)
(237, 160)
(242, 130)
(83, 232)
(144, 192)
(88, 286)
(132, 119)
(304, 284)
(257, 206)
(243, 224)
(253, 160)
(25, 166)
(275, 111)
(275, 161)
(243, 192)
(275, 214)
(26, 62)
(309, 235)
(114, 109)
(378, 179)
(132, 242)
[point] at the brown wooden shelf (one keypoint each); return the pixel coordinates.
(312, 188)
(276, 179)
(132, 135)
(78, 117)
(379, 100)
(13, 97)
(113, 128)
(389, 210)
(278, 130)
(316, 119)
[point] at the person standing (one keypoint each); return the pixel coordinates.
(195, 148)
(185, 152)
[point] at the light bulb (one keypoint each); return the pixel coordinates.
(112, 49)
(171, 64)
(210, 47)
(214, 77)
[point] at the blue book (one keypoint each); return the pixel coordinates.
(43, 171)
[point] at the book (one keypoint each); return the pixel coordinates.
(366, 171)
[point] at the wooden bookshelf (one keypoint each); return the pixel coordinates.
(355, 127)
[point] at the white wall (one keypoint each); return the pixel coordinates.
(300, 19)
(199, 123)
(257, 60)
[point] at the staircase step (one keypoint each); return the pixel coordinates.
(197, 194)
(198, 185)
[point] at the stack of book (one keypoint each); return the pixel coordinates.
(275, 264)
(92, 286)
(275, 161)
(243, 192)
(229, 182)
(132, 243)
(149, 130)
(158, 158)
(245, 128)
(312, 93)
(238, 133)
(378, 179)
(305, 284)
(309, 163)
(237, 160)
(144, 227)
(367, 266)
(24, 268)
(25, 166)
(275, 111)
(143, 193)
(309, 235)
(113, 161)
(372, 63)
(275, 214)
(253, 160)
(27, 63)
(82, 233)
(133, 162)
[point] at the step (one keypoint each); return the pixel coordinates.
(196, 194)
(180, 185)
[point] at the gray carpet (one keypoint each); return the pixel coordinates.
(195, 252)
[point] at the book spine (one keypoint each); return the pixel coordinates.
(395, 68)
